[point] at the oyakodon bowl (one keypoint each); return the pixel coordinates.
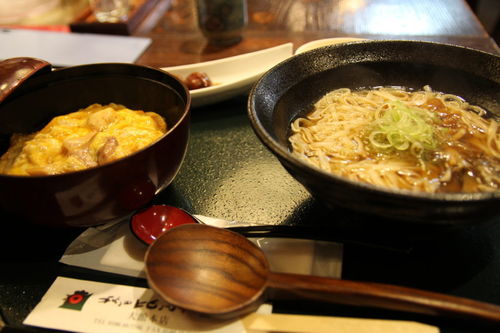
(289, 90)
(104, 193)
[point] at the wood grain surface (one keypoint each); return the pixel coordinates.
(377, 295)
(218, 272)
(177, 39)
(198, 268)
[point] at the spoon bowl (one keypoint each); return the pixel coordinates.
(218, 272)
(200, 269)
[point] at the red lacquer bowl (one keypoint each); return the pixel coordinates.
(105, 193)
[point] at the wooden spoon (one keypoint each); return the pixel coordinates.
(218, 272)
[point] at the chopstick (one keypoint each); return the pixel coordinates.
(263, 323)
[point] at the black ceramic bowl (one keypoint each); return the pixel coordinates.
(107, 192)
(288, 91)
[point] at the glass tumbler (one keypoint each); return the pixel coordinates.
(222, 21)
(110, 11)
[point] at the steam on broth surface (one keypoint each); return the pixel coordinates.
(392, 137)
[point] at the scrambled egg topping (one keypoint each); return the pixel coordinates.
(87, 138)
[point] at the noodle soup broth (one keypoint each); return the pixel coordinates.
(397, 138)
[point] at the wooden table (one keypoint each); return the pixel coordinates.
(177, 39)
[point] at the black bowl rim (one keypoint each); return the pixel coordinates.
(285, 154)
(186, 112)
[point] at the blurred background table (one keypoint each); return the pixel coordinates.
(177, 39)
(229, 174)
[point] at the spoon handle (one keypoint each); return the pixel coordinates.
(380, 295)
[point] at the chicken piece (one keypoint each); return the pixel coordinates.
(106, 152)
(79, 148)
(99, 120)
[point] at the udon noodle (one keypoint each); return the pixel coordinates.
(393, 137)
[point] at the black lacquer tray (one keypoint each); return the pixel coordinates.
(229, 174)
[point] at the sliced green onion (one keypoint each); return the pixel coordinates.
(402, 127)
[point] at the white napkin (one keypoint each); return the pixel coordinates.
(70, 49)
(76, 305)
(113, 248)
